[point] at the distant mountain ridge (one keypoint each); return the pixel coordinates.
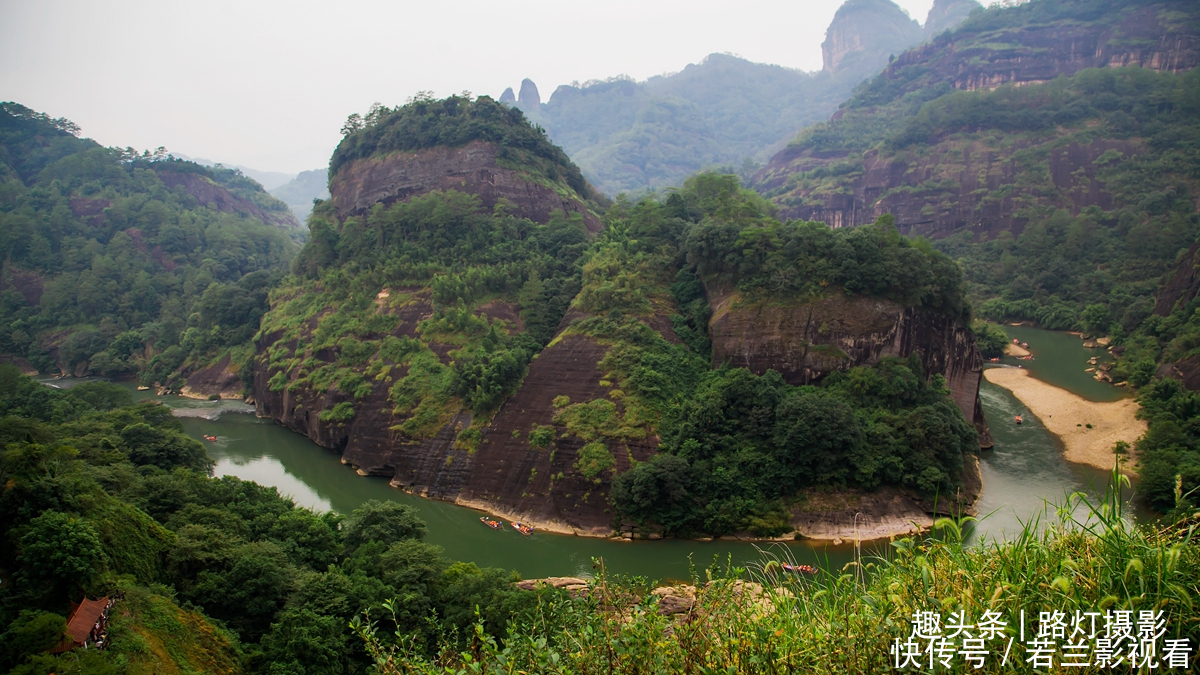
(724, 112)
(300, 191)
(847, 172)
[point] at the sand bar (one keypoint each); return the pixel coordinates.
(1067, 415)
(1011, 349)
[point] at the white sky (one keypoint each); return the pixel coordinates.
(268, 84)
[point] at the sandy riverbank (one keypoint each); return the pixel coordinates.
(1067, 415)
(1015, 350)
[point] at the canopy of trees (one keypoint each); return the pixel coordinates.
(99, 497)
(108, 267)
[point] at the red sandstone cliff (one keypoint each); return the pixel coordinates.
(954, 185)
(805, 341)
(473, 168)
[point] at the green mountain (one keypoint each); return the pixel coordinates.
(119, 264)
(462, 311)
(299, 192)
(1058, 180)
(723, 113)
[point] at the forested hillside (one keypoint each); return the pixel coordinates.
(1065, 199)
(724, 112)
(121, 264)
(451, 345)
(101, 497)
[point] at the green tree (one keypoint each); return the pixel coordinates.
(384, 522)
(61, 553)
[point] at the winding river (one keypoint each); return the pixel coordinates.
(1022, 474)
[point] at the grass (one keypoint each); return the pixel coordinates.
(763, 620)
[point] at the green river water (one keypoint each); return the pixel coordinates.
(1023, 473)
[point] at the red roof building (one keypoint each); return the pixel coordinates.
(88, 620)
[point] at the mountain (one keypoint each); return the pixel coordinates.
(299, 192)
(1030, 142)
(1050, 148)
(636, 136)
(269, 180)
(120, 264)
(864, 34)
(945, 15)
(722, 113)
(469, 319)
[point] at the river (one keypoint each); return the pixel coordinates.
(1024, 472)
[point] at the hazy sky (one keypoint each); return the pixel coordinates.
(268, 84)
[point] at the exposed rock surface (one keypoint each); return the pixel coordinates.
(29, 285)
(473, 168)
(864, 33)
(529, 98)
(953, 186)
(805, 341)
(209, 194)
(504, 475)
(508, 96)
(946, 14)
(1183, 284)
(220, 379)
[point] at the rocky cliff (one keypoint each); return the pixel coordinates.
(505, 473)
(864, 34)
(804, 341)
(472, 168)
(947, 14)
(938, 180)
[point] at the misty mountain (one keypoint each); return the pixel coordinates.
(724, 112)
(299, 192)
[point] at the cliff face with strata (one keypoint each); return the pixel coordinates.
(472, 168)
(946, 14)
(846, 176)
(806, 341)
(864, 34)
(505, 474)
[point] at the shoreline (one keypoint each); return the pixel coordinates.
(1067, 416)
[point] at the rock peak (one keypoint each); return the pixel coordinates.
(508, 96)
(529, 99)
(864, 33)
(947, 14)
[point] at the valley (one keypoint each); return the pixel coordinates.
(744, 359)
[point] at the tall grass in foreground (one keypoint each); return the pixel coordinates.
(761, 620)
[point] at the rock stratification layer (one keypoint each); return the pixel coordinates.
(864, 33)
(472, 168)
(846, 176)
(804, 341)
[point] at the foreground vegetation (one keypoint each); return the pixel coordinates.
(850, 620)
(103, 497)
(124, 264)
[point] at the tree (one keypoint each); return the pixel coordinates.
(384, 522)
(32, 632)
(62, 553)
(167, 450)
(304, 642)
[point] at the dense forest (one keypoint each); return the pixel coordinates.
(722, 112)
(453, 122)
(125, 264)
(102, 497)
(329, 340)
(1096, 270)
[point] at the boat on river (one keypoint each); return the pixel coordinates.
(494, 524)
(1018, 419)
(210, 439)
(799, 569)
(522, 528)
